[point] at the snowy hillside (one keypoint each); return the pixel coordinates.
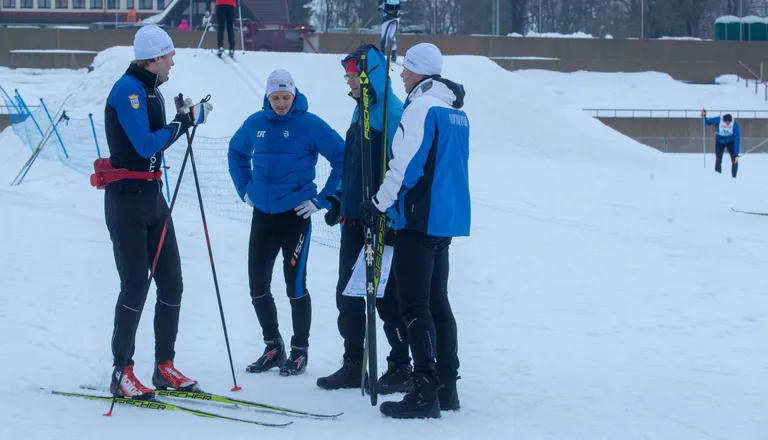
(607, 290)
(650, 91)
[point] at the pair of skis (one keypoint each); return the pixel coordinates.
(374, 249)
(198, 396)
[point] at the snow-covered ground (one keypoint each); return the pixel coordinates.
(607, 290)
(651, 91)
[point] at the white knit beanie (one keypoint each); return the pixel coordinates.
(280, 81)
(151, 42)
(424, 59)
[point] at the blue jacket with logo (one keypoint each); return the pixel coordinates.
(350, 192)
(272, 158)
(427, 184)
(726, 134)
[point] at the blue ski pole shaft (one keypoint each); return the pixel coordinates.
(26, 108)
(95, 139)
(55, 130)
(40, 148)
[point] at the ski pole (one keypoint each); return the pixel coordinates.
(154, 264)
(358, 33)
(202, 38)
(28, 165)
(704, 140)
(242, 40)
(210, 254)
(755, 147)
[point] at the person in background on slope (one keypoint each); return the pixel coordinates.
(390, 20)
(135, 210)
(427, 185)
(344, 210)
(728, 137)
(272, 159)
(225, 17)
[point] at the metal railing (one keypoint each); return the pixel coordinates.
(672, 113)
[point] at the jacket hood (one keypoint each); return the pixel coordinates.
(299, 107)
(445, 90)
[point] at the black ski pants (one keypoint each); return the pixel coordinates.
(271, 233)
(719, 150)
(135, 222)
(351, 319)
(421, 268)
(225, 16)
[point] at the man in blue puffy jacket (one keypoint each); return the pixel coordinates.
(427, 187)
(272, 159)
(728, 138)
(344, 210)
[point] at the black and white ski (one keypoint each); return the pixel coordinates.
(750, 212)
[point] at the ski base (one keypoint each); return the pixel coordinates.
(164, 406)
(208, 397)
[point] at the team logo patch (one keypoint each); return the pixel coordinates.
(134, 101)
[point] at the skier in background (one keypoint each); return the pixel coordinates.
(728, 137)
(225, 16)
(390, 21)
(344, 210)
(136, 211)
(272, 159)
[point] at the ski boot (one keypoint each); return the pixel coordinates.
(274, 356)
(397, 379)
(418, 404)
(296, 363)
(448, 396)
(393, 56)
(231, 53)
(220, 52)
(129, 387)
(167, 376)
(348, 376)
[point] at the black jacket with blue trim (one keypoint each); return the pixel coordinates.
(136, 130)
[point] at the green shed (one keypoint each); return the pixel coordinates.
(728, 28)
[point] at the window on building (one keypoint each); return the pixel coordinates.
(78, 4)
(161, 4)
(9, 4)
(62, 4)
(130, 4)
(42, 4)
(97, 4)
(113, 4)
(26, 4)
(145, 4)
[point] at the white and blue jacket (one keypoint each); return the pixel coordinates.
(427, 184)
(726, 133)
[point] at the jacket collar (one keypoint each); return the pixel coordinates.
(147, 78)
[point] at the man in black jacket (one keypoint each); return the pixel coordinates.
(136, 211)
(344, 210)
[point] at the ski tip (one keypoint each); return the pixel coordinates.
(236, 388)
(109, 414)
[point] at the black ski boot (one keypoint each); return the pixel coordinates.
(220, 52)
(348, 376)
(296, 363)
(274, 356)
(231, 53)
(393, 56)
(397, 379)
(420, 403)
(448, 396)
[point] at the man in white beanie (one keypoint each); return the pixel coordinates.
(136, 211)
(427, 185)
(272, 159)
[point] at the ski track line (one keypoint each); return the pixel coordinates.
(248, 77)
(244, 79)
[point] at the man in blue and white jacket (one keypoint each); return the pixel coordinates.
(427, 189)
(728, 138)
(272, 159)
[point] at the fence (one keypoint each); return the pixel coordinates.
(79, 141)
(672, 113)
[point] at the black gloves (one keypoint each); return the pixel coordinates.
(334, 212)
